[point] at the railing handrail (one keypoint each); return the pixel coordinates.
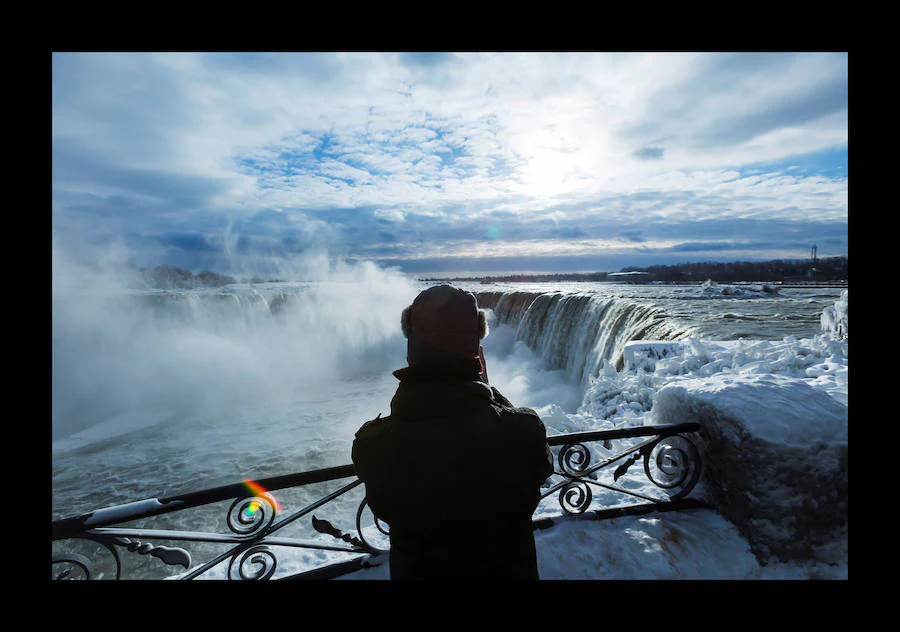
(671, 462)
(157, 506)
(663, 430)
(64, 527)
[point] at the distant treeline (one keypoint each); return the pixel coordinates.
(161, 277)
(167, 277)
(786, 270)
(830, 269)
(533, 278)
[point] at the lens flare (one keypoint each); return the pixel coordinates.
(258, 490)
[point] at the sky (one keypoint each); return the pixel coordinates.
(448, 162)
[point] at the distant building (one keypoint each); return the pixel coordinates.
(629, 277)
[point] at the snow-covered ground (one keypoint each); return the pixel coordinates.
(790, 392)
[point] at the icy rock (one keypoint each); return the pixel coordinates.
(644, 353)
(835, 320)
(775, 452)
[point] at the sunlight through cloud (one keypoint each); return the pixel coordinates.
(579, 143)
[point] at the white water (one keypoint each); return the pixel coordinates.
(158, 393)
(580, 332)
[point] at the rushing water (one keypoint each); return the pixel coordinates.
(164, 392)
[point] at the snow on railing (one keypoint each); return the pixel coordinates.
(255, 517)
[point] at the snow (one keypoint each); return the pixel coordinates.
(790, 392)
(692, 544)
(697, 544)
(835, 320)
(119, 513)
(794, 412)
(637, 354)
(711, 289)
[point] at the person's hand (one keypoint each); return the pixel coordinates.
(484, 376)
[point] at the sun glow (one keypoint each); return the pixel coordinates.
(547, 174)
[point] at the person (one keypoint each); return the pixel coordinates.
(455, 470)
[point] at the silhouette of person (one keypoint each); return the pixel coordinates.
(455, 469)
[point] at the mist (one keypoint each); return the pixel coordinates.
(125, 356)
(522, 375)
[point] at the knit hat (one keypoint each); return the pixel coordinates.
(444, 318)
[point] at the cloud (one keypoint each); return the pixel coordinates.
(816, 102)
(391, 155)
(570, 232)
(178, 191)
(732, 99)
(188, 241)
(426, 59)
(651, 152)
(315, 67)
(391, 216)
(636, 236)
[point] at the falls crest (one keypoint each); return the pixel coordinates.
(578, 332)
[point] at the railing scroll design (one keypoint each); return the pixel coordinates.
(255, 519)
(672, 462)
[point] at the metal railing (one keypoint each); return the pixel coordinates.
(256, 518)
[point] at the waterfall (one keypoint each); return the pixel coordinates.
(574, 331)
(578, 332)
(185, 351)
(508, 307)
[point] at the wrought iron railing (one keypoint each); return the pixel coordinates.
(256, 519)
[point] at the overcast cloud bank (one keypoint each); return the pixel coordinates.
(205, 160)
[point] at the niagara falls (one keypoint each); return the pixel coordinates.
(658, 243)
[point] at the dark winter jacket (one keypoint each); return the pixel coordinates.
(455, 470)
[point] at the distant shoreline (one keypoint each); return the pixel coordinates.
(829, 272)
(568, 278)
(565, 279)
